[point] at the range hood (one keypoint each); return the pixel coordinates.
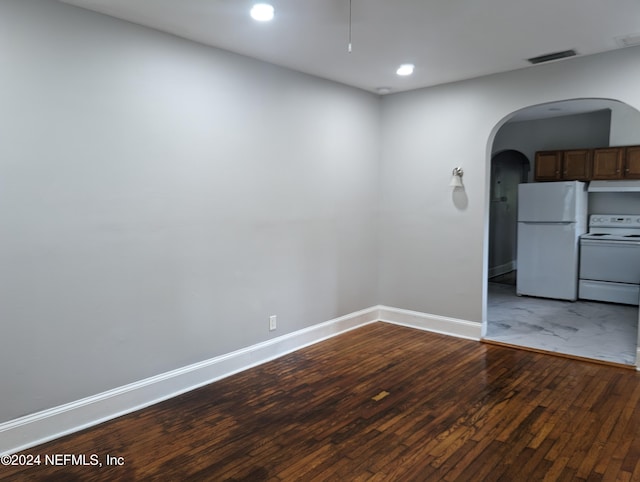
(614, 186)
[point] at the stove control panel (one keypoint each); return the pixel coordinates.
(614, 220)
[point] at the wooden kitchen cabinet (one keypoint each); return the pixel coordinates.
(548, 166)
(632, 162)
(608, 163)
(576, 165)
(573, 165)
(605, 163)
(616, 163)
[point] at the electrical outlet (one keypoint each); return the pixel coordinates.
(272, 322)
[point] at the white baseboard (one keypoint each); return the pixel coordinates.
(502, 269)
(435, 323)
(31, 430)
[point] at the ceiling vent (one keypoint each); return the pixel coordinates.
(554, 56)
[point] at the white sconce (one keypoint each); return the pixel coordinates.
(456, 177)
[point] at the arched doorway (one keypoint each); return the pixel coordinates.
(571, 124)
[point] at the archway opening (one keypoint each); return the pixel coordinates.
(563, 125)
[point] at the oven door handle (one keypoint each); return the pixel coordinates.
(601, 242)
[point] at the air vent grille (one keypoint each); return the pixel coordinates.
(553, 56)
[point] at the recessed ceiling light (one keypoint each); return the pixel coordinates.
(405, 69)
(262, 12)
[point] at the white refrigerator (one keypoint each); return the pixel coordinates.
(551, 218)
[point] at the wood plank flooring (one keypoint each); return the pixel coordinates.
(455, 410)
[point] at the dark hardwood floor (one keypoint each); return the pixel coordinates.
(444, 409)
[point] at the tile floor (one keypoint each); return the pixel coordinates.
(603, 331)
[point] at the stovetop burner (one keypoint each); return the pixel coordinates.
(613, 227)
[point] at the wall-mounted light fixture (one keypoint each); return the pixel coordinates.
(456, 177)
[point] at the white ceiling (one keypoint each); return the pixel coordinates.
(447, 40)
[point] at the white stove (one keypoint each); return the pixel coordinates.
(610, 259)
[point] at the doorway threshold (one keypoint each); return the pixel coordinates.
(556, 353)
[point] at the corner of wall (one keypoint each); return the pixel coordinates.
(47, 425)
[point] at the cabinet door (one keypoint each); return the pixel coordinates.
(632, 163)
(607, 163)
(548, 165)
(576, 165)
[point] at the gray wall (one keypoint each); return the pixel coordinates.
(625, 131)
(614, 203)
(160, 199)
(625, 125)
(433, 254)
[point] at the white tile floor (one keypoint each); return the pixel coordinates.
(603, 331)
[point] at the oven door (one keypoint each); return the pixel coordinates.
(617, 261)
